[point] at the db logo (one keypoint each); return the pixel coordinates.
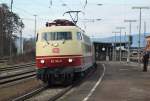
(55, 50)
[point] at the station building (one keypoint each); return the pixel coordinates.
(110, 51)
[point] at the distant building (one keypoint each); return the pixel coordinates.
(135, 39)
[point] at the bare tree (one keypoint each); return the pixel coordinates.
(9, 23)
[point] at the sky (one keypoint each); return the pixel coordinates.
(112, 14)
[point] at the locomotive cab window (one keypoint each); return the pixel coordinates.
(51, 36)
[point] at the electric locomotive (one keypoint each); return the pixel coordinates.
(62, 50)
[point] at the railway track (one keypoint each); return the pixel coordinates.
(50, 94)
(4, 60)
(53, 94)
(17, 66)
(30, 94)
(15, 77)
(16, 73)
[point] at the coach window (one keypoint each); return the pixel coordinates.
(79, 36)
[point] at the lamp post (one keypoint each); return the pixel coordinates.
(114, 48)
(120, 28)
(99, 4)
(144, 33)
(21, 39)
(130, 32)
(2, 35)
(139, 41)
(10, 49)
(35, 22)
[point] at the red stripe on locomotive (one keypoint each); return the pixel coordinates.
(61, 61)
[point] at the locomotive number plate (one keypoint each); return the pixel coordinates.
(56, 61)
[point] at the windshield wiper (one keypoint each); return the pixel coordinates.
(63, 41)
(47, 41)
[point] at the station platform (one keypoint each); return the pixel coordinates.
(121, 82)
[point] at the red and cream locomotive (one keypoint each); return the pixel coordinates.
(62, 50)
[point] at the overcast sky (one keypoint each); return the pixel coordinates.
(112, 12)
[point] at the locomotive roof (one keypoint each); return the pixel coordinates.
(60, 25)
(60, 28)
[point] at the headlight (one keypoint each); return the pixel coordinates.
(70, 60)
(42, 61)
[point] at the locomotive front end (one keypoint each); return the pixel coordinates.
(57, 53)
(57, 49)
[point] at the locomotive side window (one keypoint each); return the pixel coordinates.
(57, 36)
(79, 36)
(37, 37)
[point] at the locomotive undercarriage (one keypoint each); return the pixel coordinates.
(62, 75)
(56, 75)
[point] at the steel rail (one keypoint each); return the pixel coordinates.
(63, 92)
(59, 93)
(16, 74)
(16, 66)
(30, 94)
(17, 77)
